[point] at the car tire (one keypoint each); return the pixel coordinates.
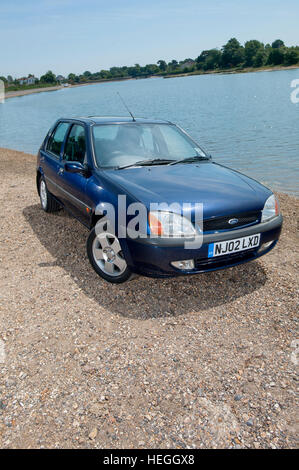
(47, 201)
(106, 257)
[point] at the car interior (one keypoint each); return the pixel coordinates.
(127, 143)
(75, 150)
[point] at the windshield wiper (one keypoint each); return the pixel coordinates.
(190, 159)
(153, 161)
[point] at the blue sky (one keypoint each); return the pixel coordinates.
(77, 35)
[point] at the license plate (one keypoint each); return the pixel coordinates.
(233, 246)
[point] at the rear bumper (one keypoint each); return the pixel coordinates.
(153, 257)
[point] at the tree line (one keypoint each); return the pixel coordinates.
(233, 55)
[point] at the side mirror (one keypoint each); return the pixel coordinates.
(76, 167)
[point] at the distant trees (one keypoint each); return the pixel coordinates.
(151, 69)
(276, 56)
(251, 49)
(253, 54)
(260, 58)
(49, 77)
(213, 59)
(277, 44)
(162, 65)
(232, 55)
(87, 74)
(73, 78)
(209, 60)
(173, 65)
(291, 56)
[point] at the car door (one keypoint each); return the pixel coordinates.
(73, 185)
(50, 157)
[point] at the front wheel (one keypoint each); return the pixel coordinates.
(106, 257)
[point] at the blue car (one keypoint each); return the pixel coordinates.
(154, 201)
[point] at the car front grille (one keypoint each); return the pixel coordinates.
(222, 223)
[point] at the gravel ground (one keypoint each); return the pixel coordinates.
(194, 362)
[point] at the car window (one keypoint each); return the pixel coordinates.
(57, 138)
(177, 146)
(147, 139)
(117, 142)
(106, 132)
(75, 148)
(122, 144)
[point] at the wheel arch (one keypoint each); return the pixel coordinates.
(94, 219)
(38, 178)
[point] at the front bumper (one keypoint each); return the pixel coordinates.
(153, 256)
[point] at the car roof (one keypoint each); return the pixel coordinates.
(115, 119)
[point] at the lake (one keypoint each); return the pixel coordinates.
(246, 121)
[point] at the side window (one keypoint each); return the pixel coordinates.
(56, 139)
(75, 148)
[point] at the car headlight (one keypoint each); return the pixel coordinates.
(170, 224)
(271, 208)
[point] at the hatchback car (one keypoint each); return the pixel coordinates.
(105, 170)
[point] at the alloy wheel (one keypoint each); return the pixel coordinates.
(43, 194)
(108, 254)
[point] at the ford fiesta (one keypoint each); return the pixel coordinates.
(112, 173)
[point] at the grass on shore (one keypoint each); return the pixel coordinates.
(9, 88)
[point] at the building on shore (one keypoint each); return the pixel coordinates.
(30, 80)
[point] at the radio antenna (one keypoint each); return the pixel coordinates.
(124, 103)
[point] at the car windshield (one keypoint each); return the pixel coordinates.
(127, 144)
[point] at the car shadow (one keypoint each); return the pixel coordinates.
(142, 298)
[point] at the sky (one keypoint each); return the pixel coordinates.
(77, 35)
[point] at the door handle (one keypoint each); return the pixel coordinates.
(60, 171)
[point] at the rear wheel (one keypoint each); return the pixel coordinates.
(106, 257)
(47, 201)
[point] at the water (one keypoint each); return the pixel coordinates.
(246, 121)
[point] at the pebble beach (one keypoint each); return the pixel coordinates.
(205, 361)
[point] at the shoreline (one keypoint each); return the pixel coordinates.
(233, 71)
(14, 94)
